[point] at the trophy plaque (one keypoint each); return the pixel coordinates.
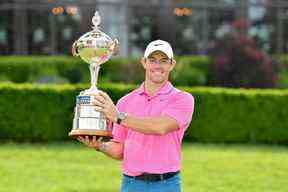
(95, 48)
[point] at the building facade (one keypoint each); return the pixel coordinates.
(49, 27)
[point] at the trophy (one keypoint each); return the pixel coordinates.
(95, 48)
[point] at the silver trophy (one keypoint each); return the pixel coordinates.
(95, 48)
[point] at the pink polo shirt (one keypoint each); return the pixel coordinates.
(148, 152)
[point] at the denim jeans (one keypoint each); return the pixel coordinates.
(172, 184)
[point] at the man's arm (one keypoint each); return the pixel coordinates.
(112, 149)
(151, 125)
(147, 125)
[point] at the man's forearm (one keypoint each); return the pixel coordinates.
(112, 149)
(150, 125)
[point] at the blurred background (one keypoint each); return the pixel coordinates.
(50, 26)
(231, 56)
(233, 35)
(218, 43)
(240, 44)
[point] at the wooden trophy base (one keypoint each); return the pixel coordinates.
(106, 135)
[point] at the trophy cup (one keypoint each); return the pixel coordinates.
(95, 48)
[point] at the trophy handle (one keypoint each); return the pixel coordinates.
(75, 49)
(115, 47)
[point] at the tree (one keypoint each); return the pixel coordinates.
(237, 62)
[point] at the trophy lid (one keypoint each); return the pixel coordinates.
(94, 47)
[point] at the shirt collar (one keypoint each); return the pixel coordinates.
(165, 89)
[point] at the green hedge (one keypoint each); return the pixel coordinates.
(283, 72)
(21, 69)
(60, 69)
(240, 115)
(44, 113)
(41, 112)
(189, 71)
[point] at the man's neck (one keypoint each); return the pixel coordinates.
(152, 88)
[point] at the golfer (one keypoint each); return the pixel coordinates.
(149, 124)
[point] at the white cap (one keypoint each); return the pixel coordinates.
(159, 45)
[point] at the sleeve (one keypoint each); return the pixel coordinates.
(181, 109)
(119, 132)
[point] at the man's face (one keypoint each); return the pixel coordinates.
(158, 67)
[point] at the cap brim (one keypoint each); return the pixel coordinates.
(152, 50)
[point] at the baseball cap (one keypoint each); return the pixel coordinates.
(159, 45)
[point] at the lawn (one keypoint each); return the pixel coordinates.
(71, 167)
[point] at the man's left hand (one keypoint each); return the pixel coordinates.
(92, 143)
(104, 103)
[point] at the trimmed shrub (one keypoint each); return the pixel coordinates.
(191, 71)
(45, 112)
(23, 69)
(41, 112)
(59, 69)
(239, 115)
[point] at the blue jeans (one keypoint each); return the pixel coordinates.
(172, 184)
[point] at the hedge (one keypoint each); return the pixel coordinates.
(189, 71)
(44, 113)
(21, 69)
(60, 69)
(283, 73)
(240, 115)
(41, 112)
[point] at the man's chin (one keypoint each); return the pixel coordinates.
(158, 81)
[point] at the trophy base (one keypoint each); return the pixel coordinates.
(88, 132)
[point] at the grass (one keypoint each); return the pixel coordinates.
(71, 167)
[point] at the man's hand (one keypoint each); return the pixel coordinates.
(105, 104)
(93, 143)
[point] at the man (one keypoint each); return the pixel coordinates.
(149, 124)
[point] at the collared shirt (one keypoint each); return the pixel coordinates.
(151, 153)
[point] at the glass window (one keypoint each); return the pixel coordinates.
(38, 35)
(38, 30)
(52, 33)
(189, 32)
(195, 31)
(3, 36)
(67, 33)
(142, 28)
(67, 26)
(6, 40)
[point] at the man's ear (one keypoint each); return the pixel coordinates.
(173, 63)
(143, 62)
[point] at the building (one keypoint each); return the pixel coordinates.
(50, 27)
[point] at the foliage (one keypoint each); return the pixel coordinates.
(283, 73)
(45, 112)
(189, 70)
(21, 69)
(237, 62)
(239, 115)
(41, 112)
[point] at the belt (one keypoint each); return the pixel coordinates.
(153, 177)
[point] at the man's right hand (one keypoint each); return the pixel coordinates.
(92, 143)
(110, 148)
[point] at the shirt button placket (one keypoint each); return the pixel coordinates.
(149, 105)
